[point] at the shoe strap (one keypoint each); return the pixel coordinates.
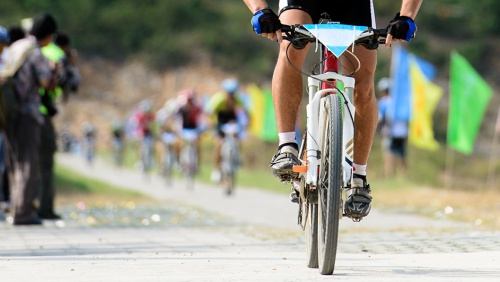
(283, 155)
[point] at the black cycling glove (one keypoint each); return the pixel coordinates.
(402, 27)
(265, 21)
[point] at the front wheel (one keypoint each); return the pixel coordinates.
(189, 161)
(330, 182)
(168, 163)
(229, 164)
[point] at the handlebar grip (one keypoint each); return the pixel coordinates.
(286, 28)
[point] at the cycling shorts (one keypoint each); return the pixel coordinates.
(352, 12)
(398, 146)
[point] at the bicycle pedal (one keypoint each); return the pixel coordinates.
(353, 218)
(299, 168)
(294, 196)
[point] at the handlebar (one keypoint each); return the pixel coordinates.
(300, 36)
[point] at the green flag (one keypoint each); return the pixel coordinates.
(469, 96)
(270, 132)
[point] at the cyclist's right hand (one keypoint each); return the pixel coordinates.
(266, 23)
(401, 28)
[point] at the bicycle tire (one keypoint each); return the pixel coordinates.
(228, 180)
(190, 163)
(147, 156)
(330, 183)
(229, 165)
(168, 163)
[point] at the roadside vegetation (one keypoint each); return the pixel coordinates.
(169, 34)
(73, 187)
(422, 190)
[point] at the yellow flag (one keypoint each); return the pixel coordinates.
(256, 110)
(425, 97)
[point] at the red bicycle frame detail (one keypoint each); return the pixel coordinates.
(330, 64)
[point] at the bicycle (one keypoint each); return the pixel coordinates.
(89, 149)
(169, 160)
(118, 151)
(326, 151)
(230, 156)
(189, 156)
(146, 151)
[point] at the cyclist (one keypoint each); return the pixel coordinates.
(224, 106)
(89, 136)
(118, 134)
(287, 82)
(167, 121)
(189, 114)
(143, 121)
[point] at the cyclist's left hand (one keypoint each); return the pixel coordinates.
(267, 23)
(400, 29)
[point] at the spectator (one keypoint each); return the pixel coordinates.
(394, 133)
(4, 191)
(16, 33)
(30, 71)
(72, 74)
(48, 140)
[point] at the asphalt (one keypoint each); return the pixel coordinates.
(252, 236)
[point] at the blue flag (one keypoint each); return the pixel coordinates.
(401, 87)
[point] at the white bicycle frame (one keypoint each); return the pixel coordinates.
(314, 129)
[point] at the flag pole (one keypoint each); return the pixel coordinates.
(491, 166)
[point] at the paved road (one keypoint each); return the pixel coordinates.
(252, 237)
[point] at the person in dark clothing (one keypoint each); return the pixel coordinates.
(29, 74)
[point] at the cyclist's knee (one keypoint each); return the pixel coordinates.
(364, 91)
(297, 57)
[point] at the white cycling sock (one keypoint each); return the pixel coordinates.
(359, 169)
(287, 137)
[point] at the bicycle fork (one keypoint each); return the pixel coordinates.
(313, 152)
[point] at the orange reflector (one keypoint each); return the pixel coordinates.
(300, 168)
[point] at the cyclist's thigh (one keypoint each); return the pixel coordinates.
(299, 11)
(365, 75)
(290, 17)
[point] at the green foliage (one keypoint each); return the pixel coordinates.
(165, 34)
(68, 181)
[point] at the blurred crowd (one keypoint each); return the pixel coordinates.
(179, 121)
(38, 73)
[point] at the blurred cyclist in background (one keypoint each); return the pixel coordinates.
(189, 115)
(224, 106)
(89, 141)
(118, 136)
(143, 119)
(168, 126)
(143, 122)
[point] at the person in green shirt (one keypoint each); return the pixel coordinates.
(48, 135)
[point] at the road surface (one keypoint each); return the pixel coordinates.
(251, 236)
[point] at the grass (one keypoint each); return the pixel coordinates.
(73, 186)
(481, 208)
